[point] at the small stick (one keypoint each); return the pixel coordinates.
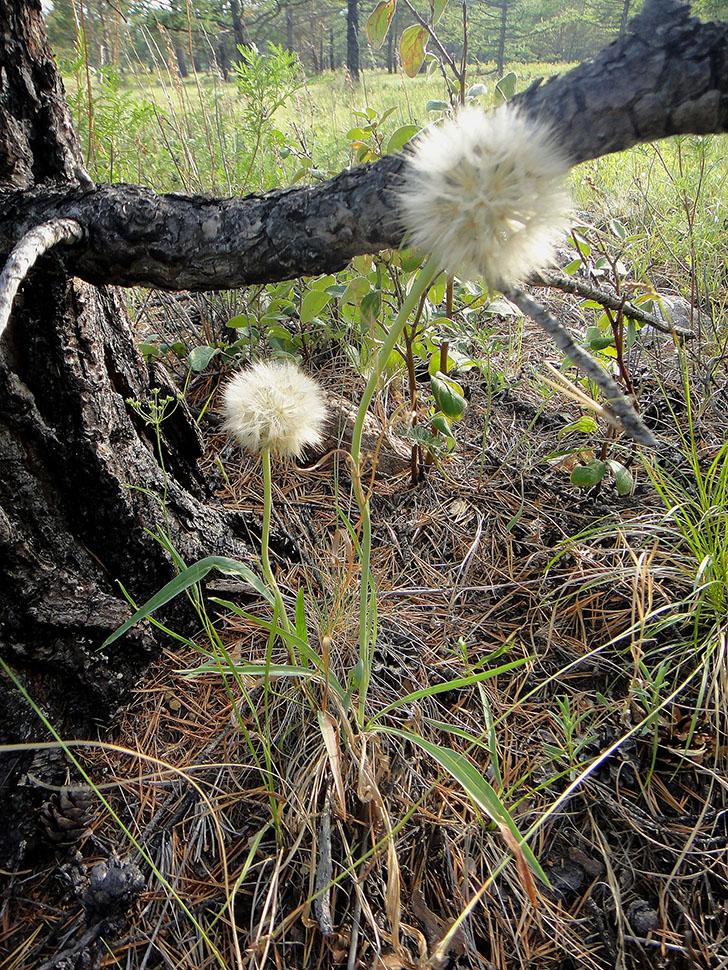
(624, 414)
(34, 244)
(324, 872)
(571, 284)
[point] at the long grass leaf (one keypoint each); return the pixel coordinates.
(455, 684)
(476, 787)
(188, 577)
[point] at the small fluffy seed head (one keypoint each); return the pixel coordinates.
(274, 405)
(484, 195)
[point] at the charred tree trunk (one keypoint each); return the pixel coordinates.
(80, 483)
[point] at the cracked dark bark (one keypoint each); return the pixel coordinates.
(80, 481)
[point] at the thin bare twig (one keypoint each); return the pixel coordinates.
(624, 413)
(611, 301)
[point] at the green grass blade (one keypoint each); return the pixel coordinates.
(449, 685)
(476, 787)
(307, 653)
(261, 670)
(188, 577)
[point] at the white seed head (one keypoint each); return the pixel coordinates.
(484, 195)
(274, 405)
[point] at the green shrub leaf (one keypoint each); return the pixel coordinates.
(622, 477)
(448, 395)
(199, 357)
(370, 306)
(438, 8)
(587, 475)
(241, 320)
(506, 87)
(586, 424)
(313, 303)
(150, 350)
(400, 138)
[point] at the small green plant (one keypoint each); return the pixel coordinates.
(265, 82)
(154, 413)
(113, 126)
(368, 140)
(695, 496)
(607, 337)
(571, 739)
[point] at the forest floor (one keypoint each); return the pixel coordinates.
(606, 740)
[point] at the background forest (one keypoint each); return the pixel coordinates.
(209, 31)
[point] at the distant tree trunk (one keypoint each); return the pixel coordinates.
(352, 38)
(223, 62)
(332, 58)
(289, 28)
(391, 64)
(623, 21)
(179, 55)
(502, 37)
(117, 25)
(105, 53)
(239, 32)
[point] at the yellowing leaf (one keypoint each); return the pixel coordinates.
(331, 743)
(412, 46)
(379, 21)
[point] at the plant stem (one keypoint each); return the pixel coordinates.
(417, 291)
(267, 571)
(419, 287)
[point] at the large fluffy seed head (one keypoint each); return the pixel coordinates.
(274, 405)
(484, 195)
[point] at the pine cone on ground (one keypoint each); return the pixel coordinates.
(67, 815)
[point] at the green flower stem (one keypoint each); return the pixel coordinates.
(267, 571)
(420, 286)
